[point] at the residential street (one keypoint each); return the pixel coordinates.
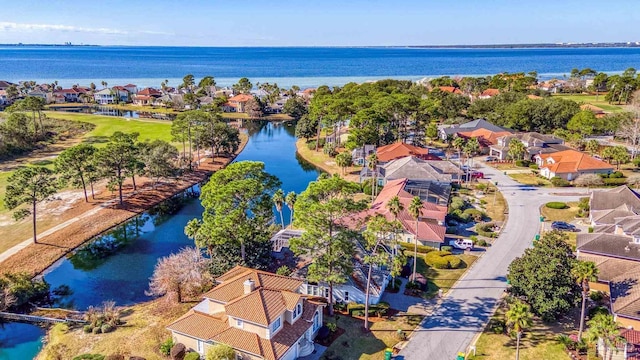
(471, 302)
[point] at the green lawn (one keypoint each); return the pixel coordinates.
(356, 344)
(443, 278)
(495, 206)
(538, 342)
(530, 179)
(107, 125)
(567, 215)
(591, 99)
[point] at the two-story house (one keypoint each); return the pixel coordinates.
(414, 168)
(237, 103)
(259, 314)
(535, 144)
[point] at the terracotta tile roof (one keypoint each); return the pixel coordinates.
(490, 92)
(150, 92)
(428, 227)
(450, 89)
(570, 161)
(260, 306)
(399, 150)
(199, 325)
(288, 336)
(240, 98)
(485, 137)
(613, 198)
(244, 341)
(632, 336)
(291, 299)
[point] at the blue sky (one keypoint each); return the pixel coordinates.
(318, 22)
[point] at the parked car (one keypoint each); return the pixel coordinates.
(490, 158)
(477, 175)
(464, 244)
(561, 225)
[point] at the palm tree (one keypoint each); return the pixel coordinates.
(458, 144)
(604, 326)
(278, 201)
(395, 206)
(584, 271)
(415, 209)
(372, 165)
(519, 318)
(290, 200)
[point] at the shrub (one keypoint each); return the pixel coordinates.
(614, 181)
(454, 261)
(481, 187)
(474, 214)
(221, 352)
(481, 242)
(559, 182)
(486, 229)
(178, 351)
(106, 328)
(89, 357)
(192, 356)
(533, 166)
(616, 175)
(473, 238)
(523, 163)
(332, 327)
(590, 230)
(457, 203)
(96, 330)
(312, 144)
(412, 285)
(421, 248)
(556, 205)
(87, 329)
(420, 281)
(283, 270)
(446, 248)
(598, 310)
(596, 296)
(330, 149)
(165, 347)
(366, 187)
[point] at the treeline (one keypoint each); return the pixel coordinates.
(27, 128)
(124, 156)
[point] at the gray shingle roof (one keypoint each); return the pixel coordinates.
(613, 198)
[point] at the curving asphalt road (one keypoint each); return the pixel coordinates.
(467, 307)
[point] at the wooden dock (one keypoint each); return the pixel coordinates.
(38, 319)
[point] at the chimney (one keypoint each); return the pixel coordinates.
(249, 286)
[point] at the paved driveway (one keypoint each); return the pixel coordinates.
(469, 305)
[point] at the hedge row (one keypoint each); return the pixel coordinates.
(421, 248)
(442, 260)
(556, 205)
(379, 309)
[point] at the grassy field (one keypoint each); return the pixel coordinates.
(356, 344)
(591, 99)
(538, 342)
(568, 214)
(325, 162)
(530, 179)
(141, 335)
(107, 125)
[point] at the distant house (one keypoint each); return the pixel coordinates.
(70, 95)
(360, 155)
(399, 150)
(131, 88)
(435, 197)
(569, 164)
(259, 314)
(146, 96)
(534, 142)
(4, 100)
(44, 95)
(486, 138)
(105, 96)
(6, 84)
(451, 89)
(237, 103)
(489, 93)
(450, 131)
(413, 168)
(121, 93)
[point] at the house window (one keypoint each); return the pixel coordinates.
(299, 311)
(316, 321)
(276, 325)
(326, 293)
(239, 323)
(346, 296)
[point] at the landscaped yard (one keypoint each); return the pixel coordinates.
(538, 342)
(443, 278)
(530, 179)
(495, 206)
(356, 344)
(569, 214)
(325, 162)
(591, 99)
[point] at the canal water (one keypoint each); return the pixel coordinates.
(109, 111)
(129, 253)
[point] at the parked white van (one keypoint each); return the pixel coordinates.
(464, 244)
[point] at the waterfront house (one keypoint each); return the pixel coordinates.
(237, 103)
(146, 96)
(104, 96)
(70, 95)
(44, 95)
(569, 164)
(449, 131)
(131, 88)
(414, 168)
(430, 227)
(121, 94)
(360, 155)
(399, 150)
(259, 314)
(535, 144)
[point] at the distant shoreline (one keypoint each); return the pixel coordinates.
(634, 44)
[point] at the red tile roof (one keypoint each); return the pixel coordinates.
(241, 98)
(400, 150)
(150, 92)
(428, 227)
(485, 137)
(570, 161)
(450, 89)
(490, 92)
